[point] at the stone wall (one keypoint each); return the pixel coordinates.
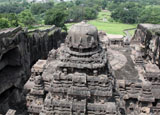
(19, 50)
(148, 37)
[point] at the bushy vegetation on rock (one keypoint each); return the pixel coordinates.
(4, 23)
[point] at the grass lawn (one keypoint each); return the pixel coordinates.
(69, 25)
(108, 26)
(111, 27)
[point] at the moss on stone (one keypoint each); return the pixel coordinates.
(51, 32)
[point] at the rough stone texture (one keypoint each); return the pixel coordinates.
(19, 50)
(77, 79)
(122, 63)
(136, 71)
(11, 112)
(148, 37)
(117, 59)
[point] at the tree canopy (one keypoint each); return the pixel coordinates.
(127, 13)
(39, 8)
(133, 12)
(4, 23)
(20, 12)
(150, 15)
(56, 17)
(26, 18)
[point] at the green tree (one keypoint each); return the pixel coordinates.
(75, 14)
(104, 4)
(70, 4)
(79, 13)
(26, 18)
(4, 23)
(78, 2)
(39, 8)
(112, 6)
(61, 6)
(56, 17)
(127, 12)
(90, 13)
(11, 8)
(150, 15)
(11, 17)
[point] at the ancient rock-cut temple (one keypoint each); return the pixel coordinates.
(90, 75)
(77, 78)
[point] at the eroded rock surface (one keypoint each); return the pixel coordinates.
(77, 79)
(148, 36)
(19, 50)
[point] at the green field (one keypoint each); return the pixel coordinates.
(109, 26)
(69, 25)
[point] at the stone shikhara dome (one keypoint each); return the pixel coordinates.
(78, 80)
(82, 48)
(82, 36)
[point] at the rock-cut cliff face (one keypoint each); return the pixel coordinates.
(148, 37)
(19, 50)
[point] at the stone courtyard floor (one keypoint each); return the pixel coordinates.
(122, 64)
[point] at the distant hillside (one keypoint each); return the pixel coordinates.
(12, 1)
(7, 1)
(46, 0)
(37, 0)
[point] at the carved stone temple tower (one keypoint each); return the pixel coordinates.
(77, 79)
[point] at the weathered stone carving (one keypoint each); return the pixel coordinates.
(77, 78)
(147, 36)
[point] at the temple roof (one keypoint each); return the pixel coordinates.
(82, 36)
